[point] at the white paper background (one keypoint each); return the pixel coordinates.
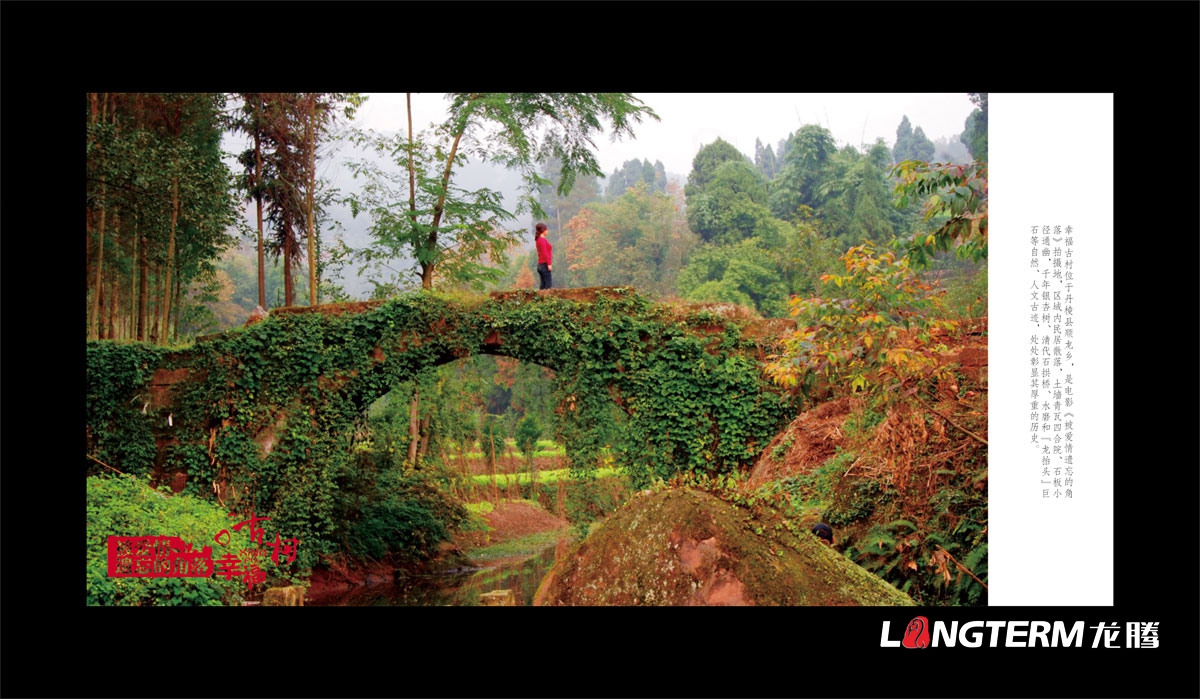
(1050, 163)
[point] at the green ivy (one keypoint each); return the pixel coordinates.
(119, 426)
(663, 391)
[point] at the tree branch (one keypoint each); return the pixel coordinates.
(939, 414)
(962, 567)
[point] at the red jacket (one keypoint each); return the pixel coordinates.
(543, 250)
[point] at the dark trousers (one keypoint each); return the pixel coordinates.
(544, 273)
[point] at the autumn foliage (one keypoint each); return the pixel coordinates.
(878, 332)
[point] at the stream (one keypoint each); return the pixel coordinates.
(450, 589)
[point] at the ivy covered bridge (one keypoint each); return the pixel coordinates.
(266, 413)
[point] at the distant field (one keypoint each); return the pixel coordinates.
(544, 477)
(545, 448)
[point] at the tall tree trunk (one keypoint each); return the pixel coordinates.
(177, 307)
(93, 321)
(131, 332)
(166, 289)
(94, 318)
(115, 297)
(289, 290)
(440, 207)
(157, 314)
(414, 426)
(258, 197)
(492, 460)
(424, 430)
(110, 329)
(310, 137)
(143, 283)
(98, 306)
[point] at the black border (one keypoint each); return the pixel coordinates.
(1145, 53)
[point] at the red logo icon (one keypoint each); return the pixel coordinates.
(916, 634)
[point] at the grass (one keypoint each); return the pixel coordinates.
(524, 546)
(544, 477)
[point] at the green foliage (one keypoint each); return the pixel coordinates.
(125, 506)
(544, 477)
(861, 422)
(639, 239)
(855, 199)
(805, 167)
(159, 203)
(878, 334)
(917, 513)
(491, 438)
(418, 212)
(744, 274)
(120, 422)
(657, 392)
(764, 160)
(731, 205)
(847, 505)
(781, 449)
(588, 500)
(706, 162)
(967, 293)
(528, 432)
(955, 197)
(975, 133)
(919, 560)
(911, 144)
(634, 172)
(402, 521)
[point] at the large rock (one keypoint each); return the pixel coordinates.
(686, 548)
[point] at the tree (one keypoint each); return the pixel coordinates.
(450, 232)
(631, 173)
(857, 201)
(639, 239)
(320, 111)
(975, 135)
(805, 166)
(559, 211)
(743, 273)
(950, 149)
(874, 335)
(528, 432)
(282, 188)
(764, 160)
(955, 197)
(252, 121)
(911, 144)
(731, 205)
(158, 206)
(457, 234)
(705, 164)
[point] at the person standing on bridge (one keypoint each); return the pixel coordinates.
(544, 259)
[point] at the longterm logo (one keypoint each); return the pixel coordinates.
(919, 633)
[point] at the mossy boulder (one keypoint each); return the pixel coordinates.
(688, 548)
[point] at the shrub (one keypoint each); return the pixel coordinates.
(125, 506)
(404, 520)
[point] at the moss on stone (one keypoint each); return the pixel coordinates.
(684, 547)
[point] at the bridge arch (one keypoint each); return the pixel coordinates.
(265, 412)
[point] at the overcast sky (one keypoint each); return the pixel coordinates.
(692, 120)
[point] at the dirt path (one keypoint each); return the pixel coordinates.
(509, 521)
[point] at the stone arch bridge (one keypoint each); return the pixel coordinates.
(269, 408)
